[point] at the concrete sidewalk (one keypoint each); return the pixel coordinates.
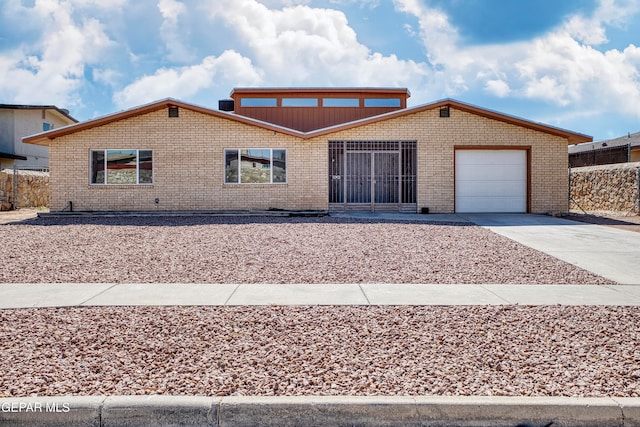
(104, 294)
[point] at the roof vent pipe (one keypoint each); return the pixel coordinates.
(226, 105)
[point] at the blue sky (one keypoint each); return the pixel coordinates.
(574, 64)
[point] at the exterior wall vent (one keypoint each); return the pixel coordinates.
(226, 105)
(173, 111)
(444, 112)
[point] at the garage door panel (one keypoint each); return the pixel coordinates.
(490, 172)
(489, 189)
(489, 157)
(491, 180)
(482, 204)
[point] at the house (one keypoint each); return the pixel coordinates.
(310, 148)
(618, 150)
(17, 121)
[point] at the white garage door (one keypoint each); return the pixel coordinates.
(491, 180)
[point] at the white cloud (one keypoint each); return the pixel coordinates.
(498, 88)
(290, 46)
(439, 36)
(283, 3)
(301, 45)
(408, 28)
(291, 43)
(559, 69)
(562, 67)
(54, 67)
(586, 31)
(172, 33)
(108, 76)
(368, 4)
(183, 82)
(101, 4)
(591, 30)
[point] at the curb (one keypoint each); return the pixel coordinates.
(441, 411)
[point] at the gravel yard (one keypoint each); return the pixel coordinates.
(491, 350)
(269, 250)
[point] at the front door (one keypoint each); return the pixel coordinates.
(386, 177)
(376, 175)
(372, 179)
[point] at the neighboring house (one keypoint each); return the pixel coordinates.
(17, 121)
(315, 149)
(618, 150)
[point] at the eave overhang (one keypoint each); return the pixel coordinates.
(45, 138)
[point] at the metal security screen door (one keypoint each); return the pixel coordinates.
(372, 175)
(358, 177)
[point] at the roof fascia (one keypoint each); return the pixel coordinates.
(304, 90)
(44, 138)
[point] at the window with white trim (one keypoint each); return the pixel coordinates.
(121, 167)
(255, 166)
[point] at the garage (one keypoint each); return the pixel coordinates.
(491, 180)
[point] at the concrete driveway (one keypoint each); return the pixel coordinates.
(606, 251)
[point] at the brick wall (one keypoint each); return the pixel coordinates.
(189, 166)
(437, 138)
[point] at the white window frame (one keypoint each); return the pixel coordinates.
(239, 166)
(105, 150)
